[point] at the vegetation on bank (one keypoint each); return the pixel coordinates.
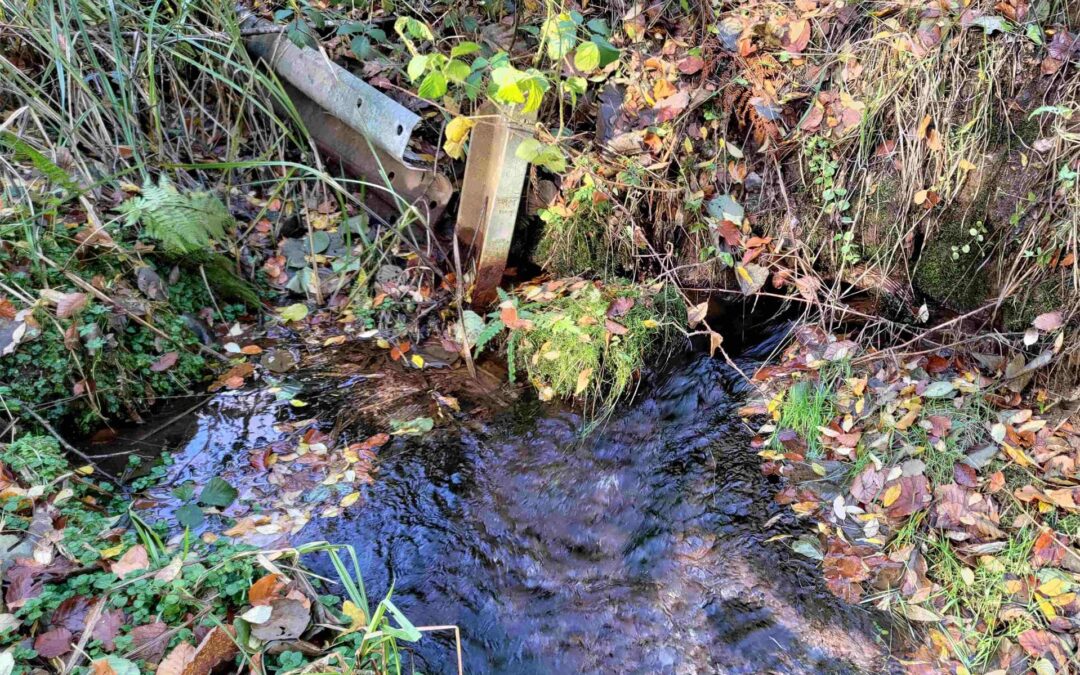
(939, 493)
(95, 589)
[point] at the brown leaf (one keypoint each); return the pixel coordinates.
(134, 559)
(1047, 550)
(288, 621)
(619, 307)
(53, 643)
(670, 107)
(914, 496)
(691, 65)
(145, 641)
(1048, 322)
(614, 327)
(216, 648)
(70, 304)
(178, 660)
(965, 475)
(167, 360)
(71, 613)
(266, 589)
(108, 627)
(867, 485)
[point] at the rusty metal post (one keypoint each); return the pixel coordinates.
(490, 196)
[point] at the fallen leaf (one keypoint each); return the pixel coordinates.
(53, 643)
(167, 360)
(134, 560)
(288, 621)
(1050, 321)
(70, 304)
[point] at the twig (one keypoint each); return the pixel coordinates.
(67, 446)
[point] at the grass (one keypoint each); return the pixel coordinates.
(569, 350)
(968, 430)
(809, 405)
(980, 592)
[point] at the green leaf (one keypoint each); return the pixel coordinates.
(417, 66)
(218, 493)
(548, 156)
(457, 71)
(560, 33)
(939, 389)
(464, 48)
(301, 35)
(413, 427)
(599, 26)
(190, 516)
(361, 47)
(294, 312)
(587, 57)
(433, 85)
(1035, 33)
(608, 51)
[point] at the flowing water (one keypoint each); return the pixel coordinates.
(651, 546)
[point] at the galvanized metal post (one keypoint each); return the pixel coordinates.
(490, 196)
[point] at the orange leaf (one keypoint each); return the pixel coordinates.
(269, 587)
(662, 89)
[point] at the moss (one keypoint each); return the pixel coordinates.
(1046, 296)
(878, 215)
(961, 284)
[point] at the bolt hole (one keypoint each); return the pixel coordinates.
(400, 129)
(432, 204)
(390, 176)
(359, 103)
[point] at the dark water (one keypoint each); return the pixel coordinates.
(640, 549)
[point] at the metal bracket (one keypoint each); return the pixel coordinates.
(351, 120)
(490, 195)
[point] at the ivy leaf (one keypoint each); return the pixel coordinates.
(433, 85)
(587, 57)
(218, 493)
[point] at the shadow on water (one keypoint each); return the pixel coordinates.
(647, 547)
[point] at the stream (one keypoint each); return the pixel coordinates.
(652, 545)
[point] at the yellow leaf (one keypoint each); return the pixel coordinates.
(1046, 607)
(349, 499)
(967, 575)
(1055, 586)
(650, 323)
(357, 615)
(336, 340)
(417, 360)
(297, 403)
(818, 469)
(456, 134)
(891, 495)
(966, 165)
(582, 381)
(85, 470)
(111, 552)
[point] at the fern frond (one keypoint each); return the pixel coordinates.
(490, 331)
(23, 151)
(183, 223)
